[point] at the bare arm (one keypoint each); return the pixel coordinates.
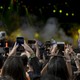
(13, 51)
(53, 53)
(68, 62)
(37, 50)
(27, 48)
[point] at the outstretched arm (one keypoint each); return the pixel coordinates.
(13, 51)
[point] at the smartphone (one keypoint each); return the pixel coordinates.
(31, 41)
(61, 46)
(20, 40)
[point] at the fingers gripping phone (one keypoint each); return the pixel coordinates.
(61, 45)
(20, 40)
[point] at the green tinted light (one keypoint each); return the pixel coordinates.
(67, 14)
(1, 7)
(54, 11)
(72, 14)
(9, 8)
(60, 11)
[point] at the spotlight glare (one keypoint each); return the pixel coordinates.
(60, 11)
(67, 14)
(49, 3)
(1, 7)
(54, 11)
(66, 3)
(72, 14)
(36, 35)
(78, 30)
(9, 8)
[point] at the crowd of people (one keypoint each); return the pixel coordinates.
(35, 61)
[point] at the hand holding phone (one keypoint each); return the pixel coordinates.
(61, 46)
(20, 40)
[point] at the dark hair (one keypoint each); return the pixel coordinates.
(6, 78)
(1, 61)
(50, 77)
(57, 67)
(24, 60)
(13, 67)
(34, 63)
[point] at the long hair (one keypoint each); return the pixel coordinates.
(57, 67)
(13, 67)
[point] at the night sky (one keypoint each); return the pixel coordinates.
(64, 10)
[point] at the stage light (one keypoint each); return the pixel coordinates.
(67, 14)
(65, 3)
(49, 3)
(72, 14)
(54, 11)
(9, 7)
(1, 7)
(60, 11)
(78, 30)
(36, 35)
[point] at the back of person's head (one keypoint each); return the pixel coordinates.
(77, 76)
(34, 63)
(1, 61)
(24, 60)
(57, 67)
(13, 67)
(6, 78)
(50, 77)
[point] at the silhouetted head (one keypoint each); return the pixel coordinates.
(13, 67)
(57, 67)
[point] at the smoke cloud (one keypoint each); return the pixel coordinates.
(27, 31)
(49, 31)
(64, 37)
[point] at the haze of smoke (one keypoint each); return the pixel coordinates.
(27, 31)
(64, 37)
(50, 29)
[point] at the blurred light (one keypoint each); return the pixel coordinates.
(78, 30)
(54, 11)
(76, 37)
(49, 3)
(1, 7)
(66, 3)
(67, 14)
(18, 3)
(43, 7)
(60, 11)
(21, 1)
(36, 35)
(72, 14)
(9, 7)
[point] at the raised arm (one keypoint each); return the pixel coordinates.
(13, 51)
(68, 61)
(37, 50)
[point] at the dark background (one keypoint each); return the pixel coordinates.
(44, 8)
